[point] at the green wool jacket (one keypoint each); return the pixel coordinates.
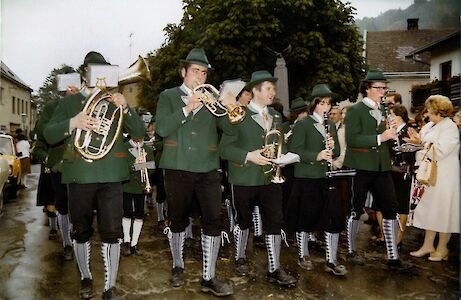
(236, 142)
(134, 184)
(363, 152)
(112, 167)
(307, 141)
(189, 143)
(55, 152)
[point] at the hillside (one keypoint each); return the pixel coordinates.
(432, 14)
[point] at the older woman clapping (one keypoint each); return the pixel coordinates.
(438, 211)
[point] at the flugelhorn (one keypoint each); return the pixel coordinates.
(210, 99)
(96, 143)
(272, 149)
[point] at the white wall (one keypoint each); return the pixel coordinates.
(440, 57)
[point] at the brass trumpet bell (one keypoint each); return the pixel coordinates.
(272, 149)
(236, 113)
(96, 143)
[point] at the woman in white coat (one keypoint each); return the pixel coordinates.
(438, 211)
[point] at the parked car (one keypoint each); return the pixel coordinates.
(4, 172)
(8, 152)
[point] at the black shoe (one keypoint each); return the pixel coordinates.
(399, 265)
(68, 253)
(53, 235)
(218, 288)
(126, 249)
(134, 250)
(281, 277)
(258, 241)
(86, 288)
(241, 267)
(177, 277)
(306, 263)
(337, 270)
(355, 259)
(111, 294)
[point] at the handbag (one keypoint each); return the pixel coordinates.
(427, 172)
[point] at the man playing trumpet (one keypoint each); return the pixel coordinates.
(242, 146)
(190, 159)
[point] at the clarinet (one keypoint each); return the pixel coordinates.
(329, 162)
(387, 115)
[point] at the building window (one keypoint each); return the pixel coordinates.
(14, 103)
(1, 96)
(445, 71)
(27, 108)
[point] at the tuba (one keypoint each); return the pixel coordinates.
(236, 113)
(272, 149)
(96, 143)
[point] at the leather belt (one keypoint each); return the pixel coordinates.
(364, 149)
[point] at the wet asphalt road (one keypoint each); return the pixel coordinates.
(31, 266)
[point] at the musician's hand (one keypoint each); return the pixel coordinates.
(325, 155)
(229, 99)
(194, 102)
(257, 158)
(389, 134)
(71, 90)
(119, 100)
(413, 136)
(82, 121)
(392, 123)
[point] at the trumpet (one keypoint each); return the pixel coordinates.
(210, 99)
(96, 143)
(272, 149)
(142, 165)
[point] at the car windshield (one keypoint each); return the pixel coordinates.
(6, 147)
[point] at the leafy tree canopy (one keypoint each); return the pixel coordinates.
(49, 90)
(325, 44)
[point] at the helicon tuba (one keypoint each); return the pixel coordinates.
(96, 143)
(236, 113)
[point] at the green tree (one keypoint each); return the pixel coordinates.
(49, 91)
(325, 44)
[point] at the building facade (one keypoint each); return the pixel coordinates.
(16, 107)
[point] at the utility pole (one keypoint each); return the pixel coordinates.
(131, 44)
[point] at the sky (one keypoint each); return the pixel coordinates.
(38, 36)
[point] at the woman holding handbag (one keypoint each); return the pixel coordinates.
(438, 211)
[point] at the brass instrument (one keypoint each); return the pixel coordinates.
(236, 113)
(96, 143)
(272, 149)
(144, 168)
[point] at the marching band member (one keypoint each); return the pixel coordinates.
(133, 195)
(190, 159)
(368, 152)
(241, 146)
(313, 204)
(97, 183)
(53, 167)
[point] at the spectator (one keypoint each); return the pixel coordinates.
(438, 211)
